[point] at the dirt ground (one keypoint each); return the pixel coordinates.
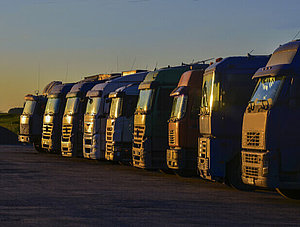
(44, 189)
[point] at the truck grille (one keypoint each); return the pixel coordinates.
(251, 171)
(171, 137)
(109, 133)
(254, 164)
(47, 131)
(251, 158)
(138, 148)
(66, 132)
(204, 157)
(138, 134)
(253, 139)
(88, 127)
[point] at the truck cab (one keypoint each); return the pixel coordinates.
(119, 126)
(31, 120)
(270, 132)
(183, 123)
(151, 116)
(52, 120)
(98, 106)
(226, 89)
(72, 123)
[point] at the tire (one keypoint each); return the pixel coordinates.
(234, 175)
(289, 193)
(38, 147)
(185, 173)
(167, 171)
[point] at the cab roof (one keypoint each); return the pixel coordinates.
(61, 89)
(117, 82)
(284, 60)
(168, 76)
(236, 63)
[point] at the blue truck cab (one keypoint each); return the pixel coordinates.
(227, 86)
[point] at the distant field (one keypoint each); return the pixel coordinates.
(10, 121)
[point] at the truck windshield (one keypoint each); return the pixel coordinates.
(267, 88)
(145, 100)
(52, 106)
(93, 105)
(179, 107)
(29, 107)
(115, 108)
(210, 93)
(72, 105)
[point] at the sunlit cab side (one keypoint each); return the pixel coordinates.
(119, 127)
(227, 87)
(270, 132)
(184, 124)
(98, 108)
(72, 123)
(152, 114)
(31, 120)
(52, 120)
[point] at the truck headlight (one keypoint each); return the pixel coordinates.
(24, 120)
(47, 119)
(69, 119)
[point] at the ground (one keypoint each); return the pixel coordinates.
(44, 189)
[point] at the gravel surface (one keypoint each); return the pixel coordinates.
(45, 189)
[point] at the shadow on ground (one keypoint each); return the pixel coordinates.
(7, 136)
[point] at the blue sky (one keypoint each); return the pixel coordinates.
(69, 39)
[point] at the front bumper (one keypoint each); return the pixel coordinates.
(47, 144)
(25, 139)
(66, 149)
(118, 152)
(182, 159)
(91, 147)
(255, 168)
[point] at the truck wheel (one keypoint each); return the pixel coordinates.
(234, 173)
(289, 193)
(38, 147)
(185, 173)
(166, 171)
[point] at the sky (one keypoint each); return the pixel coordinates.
(46, 40)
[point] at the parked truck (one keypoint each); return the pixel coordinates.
(270, 134)
(97, 112)
(226, 89)
(151, 116)
(119, 126)
(183, 123)
(52, 120)
(31, 120)
(72, 124)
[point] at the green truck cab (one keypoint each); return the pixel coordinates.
(150, 137)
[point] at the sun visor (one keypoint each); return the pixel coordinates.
(116, 94)
(94, 93)
(30, 97)
(179, 91)
(274, 70)
(75, 94)
(148, 85)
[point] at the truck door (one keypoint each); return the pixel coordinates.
(160, 118)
